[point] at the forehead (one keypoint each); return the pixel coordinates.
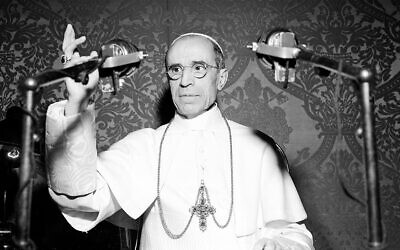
(190, 49)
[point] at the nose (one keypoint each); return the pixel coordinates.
(187, 78)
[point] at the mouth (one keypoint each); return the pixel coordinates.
(188, 98)
(188, 95)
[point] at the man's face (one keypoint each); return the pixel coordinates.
(191, 95)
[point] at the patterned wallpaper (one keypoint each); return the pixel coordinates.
(326, 159)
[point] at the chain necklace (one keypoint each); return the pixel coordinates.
(202, 207)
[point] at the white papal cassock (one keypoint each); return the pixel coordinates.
(90, 188)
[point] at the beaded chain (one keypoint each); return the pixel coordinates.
(202, 207)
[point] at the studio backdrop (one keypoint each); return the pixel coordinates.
(315, 119)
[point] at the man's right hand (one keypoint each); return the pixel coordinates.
(78, 94)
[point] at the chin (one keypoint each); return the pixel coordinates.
(189, 111)
(189, 114)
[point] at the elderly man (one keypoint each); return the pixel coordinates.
(200, 181)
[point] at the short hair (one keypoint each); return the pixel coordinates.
(219, 54)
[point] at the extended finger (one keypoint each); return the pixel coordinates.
(70, 43)
(69, 36)
(71, 49)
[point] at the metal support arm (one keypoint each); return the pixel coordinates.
(365, 79)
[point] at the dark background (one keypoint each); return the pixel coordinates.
(327, 168)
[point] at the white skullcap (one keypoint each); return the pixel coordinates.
(202, 35)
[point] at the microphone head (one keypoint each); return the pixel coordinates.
(108, 76)
(284, 68)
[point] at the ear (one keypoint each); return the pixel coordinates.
(222, 78)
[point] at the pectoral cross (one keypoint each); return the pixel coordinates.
(203, 208)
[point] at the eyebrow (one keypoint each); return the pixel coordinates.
(175, 64)
(193, 62)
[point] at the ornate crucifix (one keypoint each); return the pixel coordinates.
(203, 208)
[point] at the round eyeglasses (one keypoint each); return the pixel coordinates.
(198, 69)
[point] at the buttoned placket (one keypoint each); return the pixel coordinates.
(201, 155)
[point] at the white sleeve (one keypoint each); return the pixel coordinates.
(279, 197)
(282, 208)
(90, 187)
(71, 151)
(85, 212)
(74, 183)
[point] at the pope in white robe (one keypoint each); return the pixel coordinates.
(253, 200)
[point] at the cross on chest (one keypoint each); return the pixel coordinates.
(203, 208)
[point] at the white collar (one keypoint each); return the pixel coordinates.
(209, 120)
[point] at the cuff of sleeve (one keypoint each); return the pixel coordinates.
(84, 213)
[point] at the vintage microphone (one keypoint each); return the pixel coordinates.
(122, 58)
(114, 56)
(284, 68)
(365, 79)
(117, 58)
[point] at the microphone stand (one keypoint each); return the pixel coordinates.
(28, 87)
(21, 239)
(365, 79)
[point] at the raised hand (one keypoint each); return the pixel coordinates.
(78, 94)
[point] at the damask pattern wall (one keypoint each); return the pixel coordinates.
(326, 160)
